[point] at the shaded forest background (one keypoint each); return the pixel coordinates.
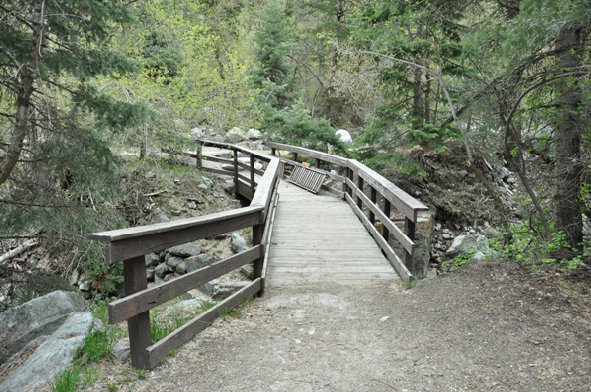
(504, 82)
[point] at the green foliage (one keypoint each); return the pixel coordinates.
(296, 126)
(67, 381)
(97, 345)
(524, 245)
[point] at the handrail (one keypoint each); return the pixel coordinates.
(362, 186)
(131, 244)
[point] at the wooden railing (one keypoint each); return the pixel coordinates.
(373, 199)
(130, 246)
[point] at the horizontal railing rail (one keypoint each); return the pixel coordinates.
(132, 244)
(363, 189)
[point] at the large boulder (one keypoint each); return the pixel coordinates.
(344, 136)
(235, 135)
(253, 134)
(468, 244)
(40, 338)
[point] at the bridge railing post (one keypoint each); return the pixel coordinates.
(372, 197)
(409, 230)
(360, 186)
(387, 210)
(236, 172)
(252, 183)
(140, 338)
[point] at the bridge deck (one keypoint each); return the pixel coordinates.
(318, 238)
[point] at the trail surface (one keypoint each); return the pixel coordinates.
(480, 329)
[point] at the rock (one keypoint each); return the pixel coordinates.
(188, 305)
(253, 134)
(84, 286)
(446, 236)
(161, 270)
(197, 132)
(150, 272)
(229, 167)
(121, 350)
(224, 290)
(238, 243)
(468, 244)
(185, 250)
(234, 135)
(160, 217)
(150, 175)
(74, 279)
(181, 268)
(152, 259)
(203, 187)
(191, 205)
(208, 287)
(229, 186)
(247, 270)
(344, 136)
(40, 339)
(463, 173)
(195, 262)
(173, 262)
(206, 181)
(437, 227)
(168, 277)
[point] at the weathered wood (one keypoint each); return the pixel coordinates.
(319, 236)
(236, 172)
(387, 210)
(227, 161)
(245, 190)
(252, 173)
(217, 171)
(147, 299)
(394, 260)
(372, 198)
(334, 191)
(134, 274)
(138, 241)
(158, 351)
(359, 191)
(266, 187)
(405, 203)
(267, 235)
(409, 229)
(390, 226)
(311, 153)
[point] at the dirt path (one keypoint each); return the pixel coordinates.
(480, 329)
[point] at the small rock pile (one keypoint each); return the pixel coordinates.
(179, 260)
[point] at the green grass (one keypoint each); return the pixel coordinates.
(67, 381)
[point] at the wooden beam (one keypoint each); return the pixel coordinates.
(158, 351)
(146, 299)
(311, 153)
(134, 280)
(404, 240)
(392, 257)
(137, 241)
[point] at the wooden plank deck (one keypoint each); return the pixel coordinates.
(318, 238)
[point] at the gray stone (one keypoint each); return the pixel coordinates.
(229, 186)
(161, 270)
(191, 205)
(253, 134)
(203, 187)
(150, 272)
(197, 132)
(174, 261)
(468, 244)
(247, 270)
(224, 290)
(463, 173)
(121, 350)
(75, 277)
(209, 287)
(195, 262)
(188, 305)
(160, 217)
(84, 286)
(206, 181)
(152, 259)
(185, 250)
(238, 243)
(181, 268)
(47, 356)
(168, 277)
(40, 316)
(150, 175)
(234, 135)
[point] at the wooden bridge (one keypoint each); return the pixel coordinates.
(346, 233)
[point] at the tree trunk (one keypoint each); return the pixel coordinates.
(568, 131)
(23, 102)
